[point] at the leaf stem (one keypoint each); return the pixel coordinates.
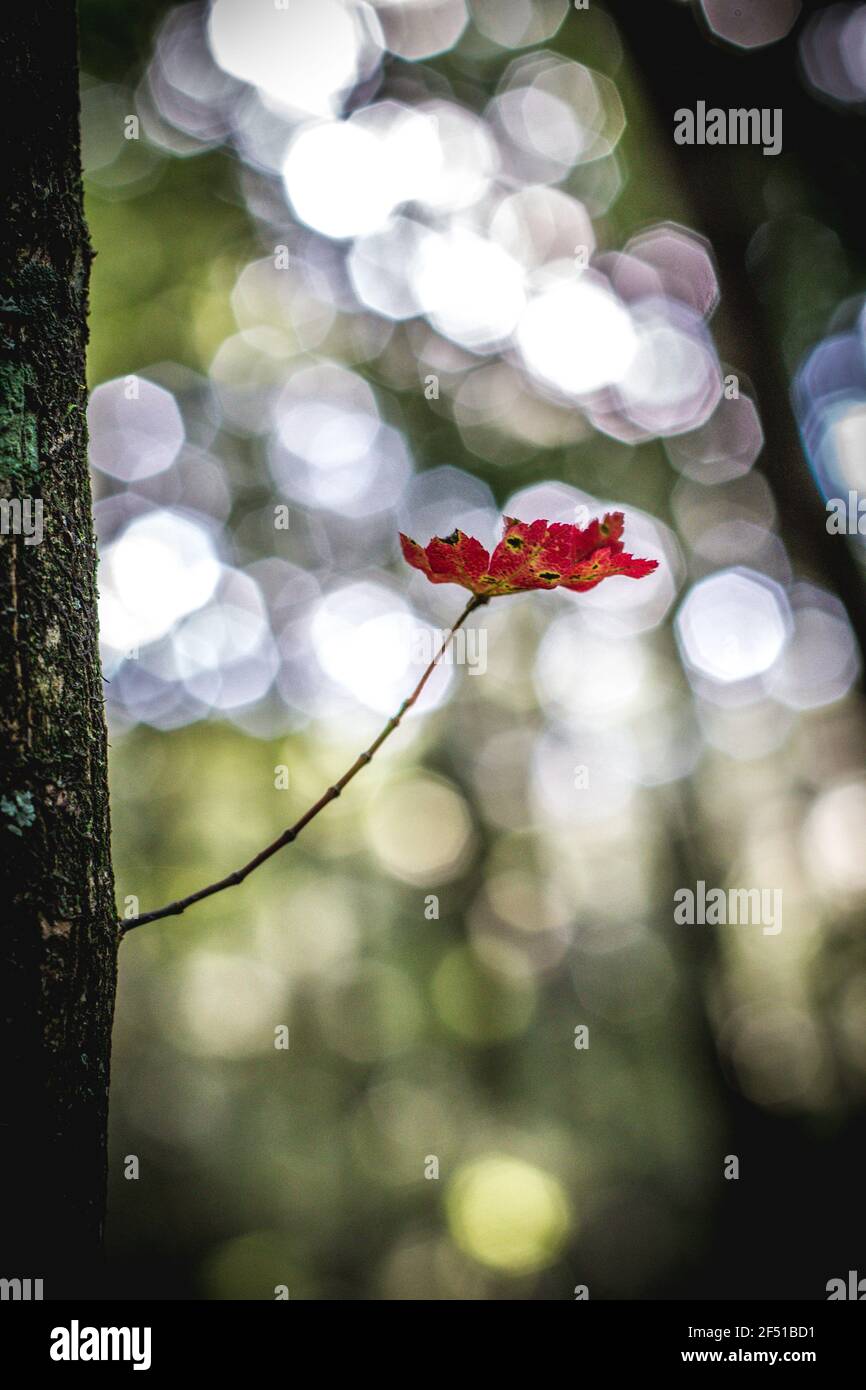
(288, 836)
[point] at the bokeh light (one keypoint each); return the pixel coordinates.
(409, 265)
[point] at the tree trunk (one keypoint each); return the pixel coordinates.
(58, 949)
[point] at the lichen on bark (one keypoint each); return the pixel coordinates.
(57, 918)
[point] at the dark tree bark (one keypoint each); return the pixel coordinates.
(58, 939)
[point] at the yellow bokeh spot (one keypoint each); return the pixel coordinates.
(508, 1214)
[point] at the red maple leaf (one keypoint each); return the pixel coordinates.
(531, 555)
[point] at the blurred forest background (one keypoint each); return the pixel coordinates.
(408, 265)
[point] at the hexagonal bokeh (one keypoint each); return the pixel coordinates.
(633, 279)
(520, 23)
(684, 263)
(541, 224)
(725, 447)
(422, 29)
(833, 52)
(751, 23)
(822, 660)
(553, 115)
(733, 625)
(593, 100)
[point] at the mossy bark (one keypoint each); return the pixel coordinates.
(58, 941)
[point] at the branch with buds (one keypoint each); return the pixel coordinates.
(534, 555)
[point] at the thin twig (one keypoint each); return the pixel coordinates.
(288, 836)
